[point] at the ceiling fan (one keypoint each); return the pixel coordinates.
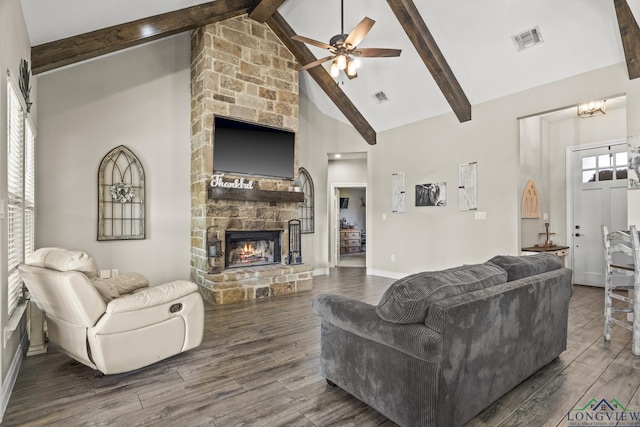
(344, 48)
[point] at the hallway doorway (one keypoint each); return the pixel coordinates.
(352, 226)
(348, 211)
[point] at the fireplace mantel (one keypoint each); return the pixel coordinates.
(254, 195)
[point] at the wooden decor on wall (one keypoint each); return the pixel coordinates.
(530, 201)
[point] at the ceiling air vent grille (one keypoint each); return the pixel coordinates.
(527, 39)
(380, 97)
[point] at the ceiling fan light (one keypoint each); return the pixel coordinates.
(341, 62)
(352, 69)
(334, 71)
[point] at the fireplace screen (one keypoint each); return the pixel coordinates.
(250, 248)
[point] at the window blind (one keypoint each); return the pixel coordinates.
(16, 195)
(29, 190)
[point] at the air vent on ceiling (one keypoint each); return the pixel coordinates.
(380, 97)
(527, 39)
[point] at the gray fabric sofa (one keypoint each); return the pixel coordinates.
(442, 346)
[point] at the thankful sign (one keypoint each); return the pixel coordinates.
(217, 180)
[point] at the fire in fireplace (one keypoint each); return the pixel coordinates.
(250, 248)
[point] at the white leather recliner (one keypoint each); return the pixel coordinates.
(112, 325)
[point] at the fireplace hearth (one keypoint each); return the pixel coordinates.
(252, 248)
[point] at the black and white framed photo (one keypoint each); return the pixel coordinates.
(434, 194)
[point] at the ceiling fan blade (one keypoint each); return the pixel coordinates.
(357, 34)
(311, 42)
(374, 52)
(315, 63)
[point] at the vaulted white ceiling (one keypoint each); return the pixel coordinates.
(474, 36)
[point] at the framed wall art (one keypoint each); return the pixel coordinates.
(121, 196)
(434, 194)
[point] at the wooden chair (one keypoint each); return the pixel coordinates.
(624, 246)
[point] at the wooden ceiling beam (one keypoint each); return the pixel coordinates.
(426, 46)
(49, 56)
(304, 56)
(264, 9)
(630, 34)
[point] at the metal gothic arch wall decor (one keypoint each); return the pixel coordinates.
(306, 208)
(121, 213)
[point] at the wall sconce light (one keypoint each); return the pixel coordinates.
(590, 109)
(295, 242)
(214, 250)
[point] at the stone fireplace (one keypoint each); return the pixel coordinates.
(241, 70)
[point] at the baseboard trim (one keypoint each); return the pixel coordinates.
(12, 375)
(385, 273)
(321, 272)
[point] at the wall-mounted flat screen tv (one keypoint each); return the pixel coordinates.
(250, 149)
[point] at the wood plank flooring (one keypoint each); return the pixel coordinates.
(258, 366)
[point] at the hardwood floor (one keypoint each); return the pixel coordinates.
(258, 365)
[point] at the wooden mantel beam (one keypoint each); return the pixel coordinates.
(630, 34)
(304, 56)
(49, 56)
(264, 9)
(426, 46)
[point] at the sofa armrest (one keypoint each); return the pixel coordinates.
(151, 297)
(359, 318)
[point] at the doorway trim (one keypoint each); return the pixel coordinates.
(333, 220)
(569, 188)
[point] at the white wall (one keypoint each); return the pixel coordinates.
(139, 98)
(430, 151)
(534, 165)
(14, 46)
(318, 136)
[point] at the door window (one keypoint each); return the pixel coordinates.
(604, 167)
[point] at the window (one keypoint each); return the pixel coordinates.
(605, 167)
(306, 207)
(20, 193)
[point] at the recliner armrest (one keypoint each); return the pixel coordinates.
(359, 318)
(151, 297)
(115, 287)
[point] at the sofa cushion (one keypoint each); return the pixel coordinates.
(518, 267)
(407, 300)
(64, 260)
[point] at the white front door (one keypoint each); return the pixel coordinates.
(599, 196)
